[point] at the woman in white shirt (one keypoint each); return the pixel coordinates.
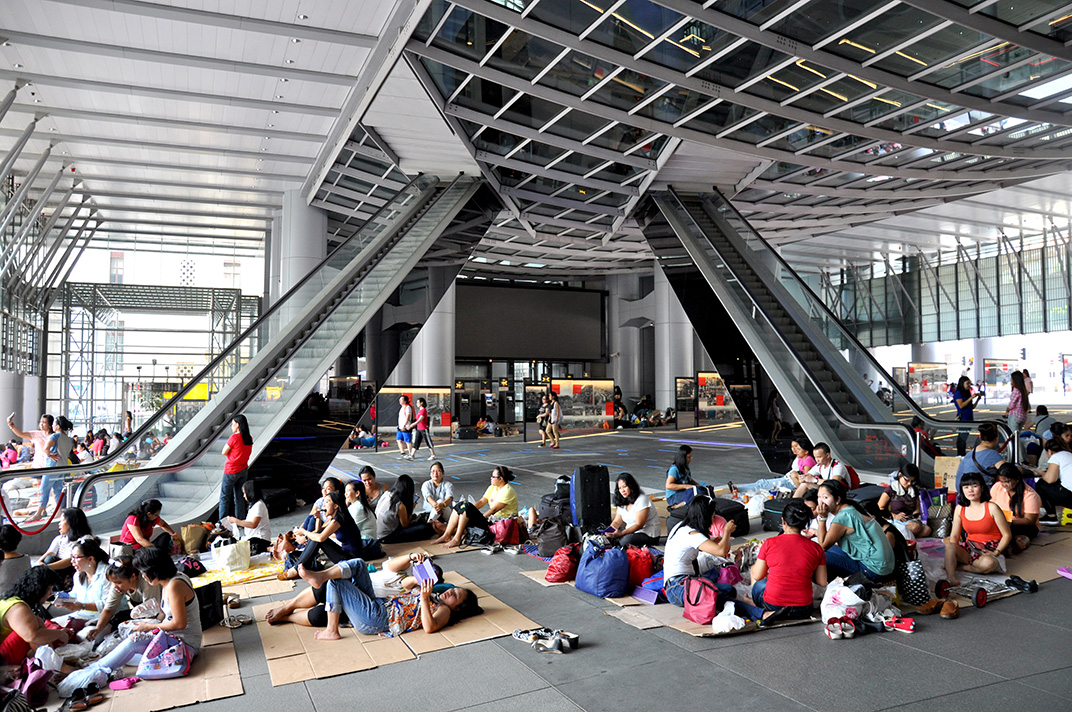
(258, 528)
(636, 522)
(1055, 484)
(86, 600)
(684, 544)
(357, 503)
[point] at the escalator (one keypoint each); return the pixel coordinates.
(703, 244)
(271, 369)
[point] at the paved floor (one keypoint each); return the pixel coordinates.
(1015, 654)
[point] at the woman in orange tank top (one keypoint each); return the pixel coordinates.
(980, 531)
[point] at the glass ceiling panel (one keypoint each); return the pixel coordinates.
(745, 62)
(523, 55)
(627, 89)
(979, 65)
(789, 80)
(569, 15)
(719, 117)
(820, 19)
(634, 25)
(879, 106)
(1021, 11)
(761, 129)
(883, 33)
(689, 46)
(497, 142)
(430, 19)
(1020, 78)
(468, 34)
(531, 111)
(939, 47)
(674, 104)
(577, 73)
(577, 125)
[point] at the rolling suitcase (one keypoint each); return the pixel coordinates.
(866, 493)
(732, 510)
(772, 514)
(590, 497)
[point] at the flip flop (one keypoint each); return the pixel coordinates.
(93, 694)
(124, 684)
(1065, 571)
(231, 600)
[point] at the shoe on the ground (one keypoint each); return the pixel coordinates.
(1049, 520)
(431, 457)
(1021, 585)
(950, 610)
(833, 629)
(930, 607)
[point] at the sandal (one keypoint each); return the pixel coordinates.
(77, 702)
(833, 629)
(848, 627)
(236, 621)
(904, 625)
(551, 645)
(94, 696)
(231, 600)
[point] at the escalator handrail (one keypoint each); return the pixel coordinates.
(245, 401)
(146, 427)
(860, 348)
(899, 427)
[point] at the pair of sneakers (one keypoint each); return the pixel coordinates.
(546, 640)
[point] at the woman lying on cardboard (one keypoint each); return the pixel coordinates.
(396, 578)
(350, 591)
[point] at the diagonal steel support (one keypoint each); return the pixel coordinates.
(58, 267)
(16, 149)
(55, 290)
(967, 259)
(1010, 249)
(862, 283)
(39, 270)
(33, 253)
(20, 195)
(927, 264)
(9, 257)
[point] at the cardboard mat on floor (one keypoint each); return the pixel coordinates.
(538, 577)
(213, 676)
(260, 588)
(294, 655)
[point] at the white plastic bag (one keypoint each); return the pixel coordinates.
(839, 601)
(80, 678)
(49, 658)
(232, 557)
(150, 608)
(727, 621)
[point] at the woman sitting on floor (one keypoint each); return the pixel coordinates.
(685, 543)
(21, 630)
(854, 541)
(14, 563)
(901, 498)
(395, 578)
(339, 539)
(316, 519)
(1019, 503)
(786, 567)
(258, 529)
(126, 589)
(350, 591)
(90, 583)
(467, 523)
(357, 503)
(73, 526)
(980, 534)
(180, 610)
(394, 512)
(680, 487)
(140, 523)
(636, 522)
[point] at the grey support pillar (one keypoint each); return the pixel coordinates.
(11, 399)
(623, 338)
(272, 267)
(433, 349)
(303, 245)
(674, 337)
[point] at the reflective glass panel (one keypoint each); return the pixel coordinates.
(674, 104)
(468, 34)
(743, 63)
(626, 89)
(634, 25)
(523, 55)
(577, 73)
(689, 46)
(570, 15)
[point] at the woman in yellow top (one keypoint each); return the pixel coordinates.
(469, 523)
(21, 631)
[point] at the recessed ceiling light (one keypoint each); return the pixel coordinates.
(289, 61)
(18, 66)
(295, 40)
(278, 96)
(263, 149)
(37, 101)
(284, 79)
(303, 17)
(267, 138)
(275, 111)
(52, 129)
(271, 125)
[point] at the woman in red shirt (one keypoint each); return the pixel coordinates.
(237, 451)
(980, 533)
(786, 567)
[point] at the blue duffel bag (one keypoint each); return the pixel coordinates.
(603, 572)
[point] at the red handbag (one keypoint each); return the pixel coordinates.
(505, 531)
(641, 565)
(701, 600)
(563, 566)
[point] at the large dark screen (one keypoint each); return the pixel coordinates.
(530, 324)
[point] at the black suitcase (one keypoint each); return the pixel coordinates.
(772, 514)
(467, 433)
(590, 497)
(554, 507)
(734, 511)
(562, 487)
(867, 493)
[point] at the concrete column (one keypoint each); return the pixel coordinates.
(623, 342)
(33, 400)
(303, 239)
(433, 349)
(373, 345)
(273, 266)
(674, 338)
(11, 399)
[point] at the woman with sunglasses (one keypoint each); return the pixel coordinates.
(468, 523)
(901, 498)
